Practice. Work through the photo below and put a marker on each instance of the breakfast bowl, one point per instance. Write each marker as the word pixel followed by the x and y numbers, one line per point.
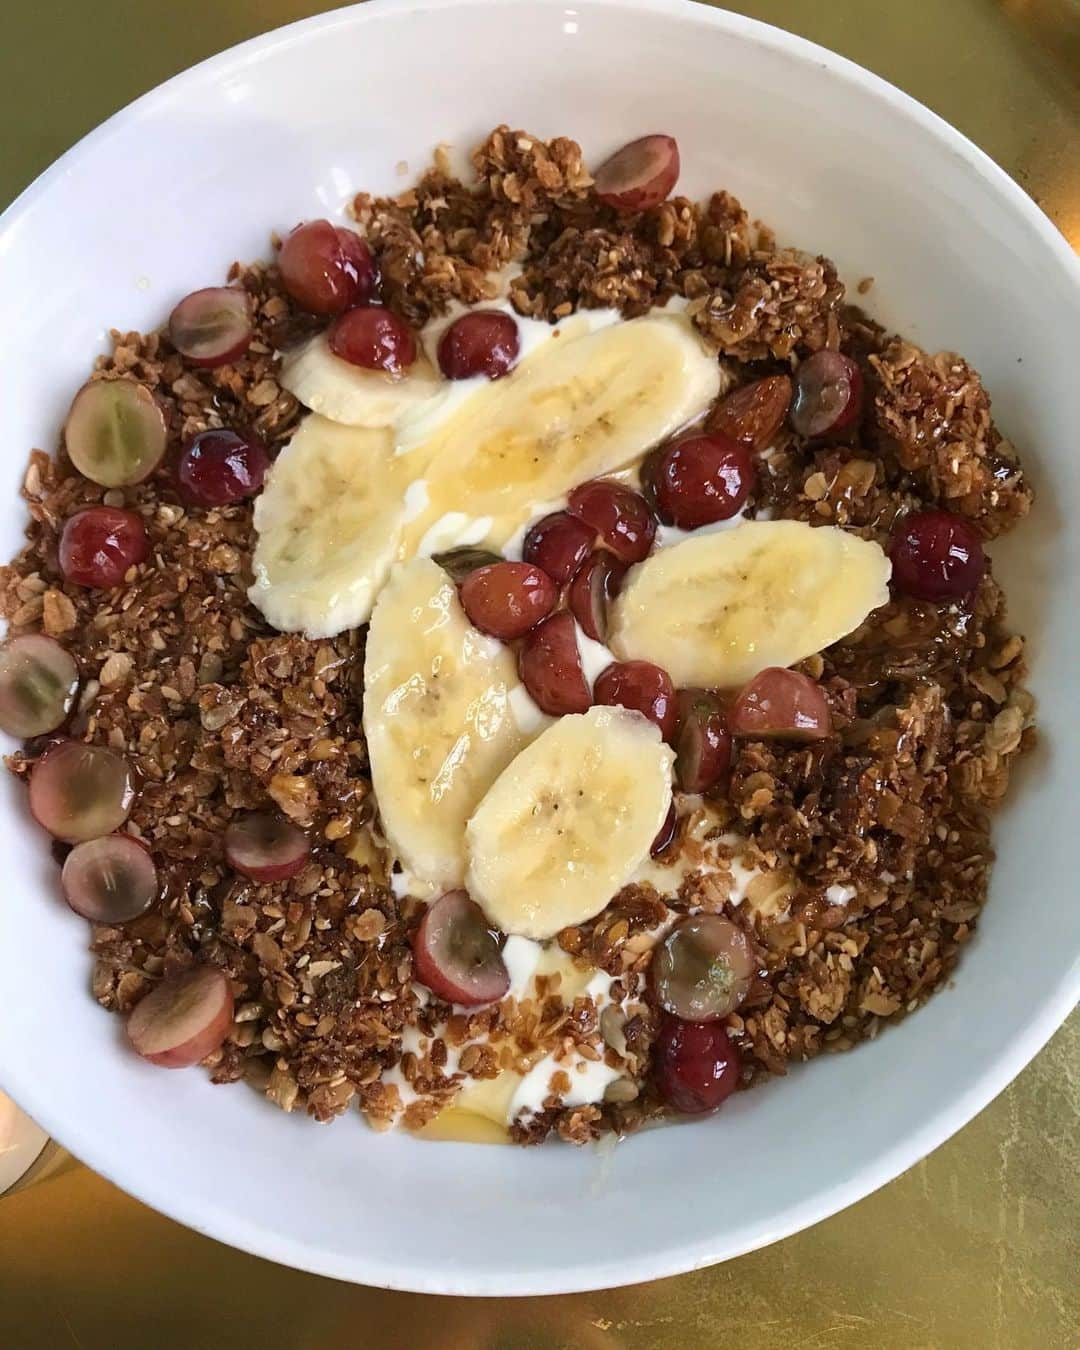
pixel 158 202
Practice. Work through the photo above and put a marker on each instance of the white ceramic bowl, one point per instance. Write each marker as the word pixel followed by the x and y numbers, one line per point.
pixel 159 201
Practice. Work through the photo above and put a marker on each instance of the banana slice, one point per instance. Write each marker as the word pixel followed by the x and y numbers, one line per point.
pixel 482 1120
pixel 438 716
pixel 715 609
pixel 564 827
pixel 479 1114
pixel 584 404
pixel 328 524
pixel 349 394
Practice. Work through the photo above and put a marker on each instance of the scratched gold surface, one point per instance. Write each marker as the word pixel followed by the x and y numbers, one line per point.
pixel 976 1248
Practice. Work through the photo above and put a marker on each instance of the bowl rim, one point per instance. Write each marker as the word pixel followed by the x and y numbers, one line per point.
pixel 936 1129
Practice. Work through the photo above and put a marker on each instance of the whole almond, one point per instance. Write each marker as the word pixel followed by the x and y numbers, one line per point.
pixel 754 414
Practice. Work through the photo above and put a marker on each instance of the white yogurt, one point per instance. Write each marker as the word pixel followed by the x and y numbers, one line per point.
pixel 456 529
pixel 528 715
pixel 666 535
pixel 404 883
pixel 588 1081
pixel 417 499
pixel 599 988
pixel 522 957
pixel 595 657
pixel 516 542
pixel 840 895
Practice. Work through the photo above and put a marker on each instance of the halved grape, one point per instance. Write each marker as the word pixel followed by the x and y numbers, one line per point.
pixel 483 342
pixel 219 467
pixel 326 268
pixel 649 479
pixel 666 834
pixel 456 954
pixel 559 543
pixel 551 669
pixel 595 585
pixel 828 394
pixel 373 338
pixel 265 847
pixel 110 880
pixel 460 562
pixel 695 1065
pixel 507 599
pixel 98 546
pixel 620 516
pixel 184 1019
pixel 38 681
pixel 641 686
pixel 783 705
pixel 639 175
pixel 702 745
pixel 703 969
pixel 701 479
pixel 212 327
pixel 80 791
pixel 936 556
pixel 115 432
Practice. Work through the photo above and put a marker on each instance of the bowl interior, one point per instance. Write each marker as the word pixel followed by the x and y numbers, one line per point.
pixel 159 202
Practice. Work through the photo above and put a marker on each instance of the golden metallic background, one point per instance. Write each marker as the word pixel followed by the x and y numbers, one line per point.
pixel 978 1247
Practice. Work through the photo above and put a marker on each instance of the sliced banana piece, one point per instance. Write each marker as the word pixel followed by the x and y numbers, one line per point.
pixel 349 394
pixel 715 609
pixel 583 404
pixel 438 716
pixel 328 523
pixel 478 1114
pixel 565 826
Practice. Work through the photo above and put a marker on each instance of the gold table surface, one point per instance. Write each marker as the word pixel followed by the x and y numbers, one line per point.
pixel 977 1246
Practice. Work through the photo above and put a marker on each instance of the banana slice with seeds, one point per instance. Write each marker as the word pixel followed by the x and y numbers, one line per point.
pixel 716 609
pixel 579 407
pixel 439 718
pixel 328 521
pixel 566 825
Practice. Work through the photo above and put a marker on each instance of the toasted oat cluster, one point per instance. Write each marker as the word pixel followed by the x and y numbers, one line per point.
pixel 869 846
